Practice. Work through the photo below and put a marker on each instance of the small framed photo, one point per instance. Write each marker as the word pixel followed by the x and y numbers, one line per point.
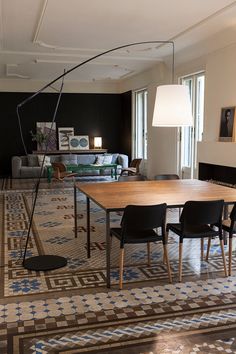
pixel 63 137
pixel 227 122
pixel 79 142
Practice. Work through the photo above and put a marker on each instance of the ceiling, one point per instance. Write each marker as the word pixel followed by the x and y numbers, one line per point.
pixel 40 39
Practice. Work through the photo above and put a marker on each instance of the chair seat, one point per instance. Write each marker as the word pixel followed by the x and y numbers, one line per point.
pixel 132 170
pixel 192 231
pixel 137 237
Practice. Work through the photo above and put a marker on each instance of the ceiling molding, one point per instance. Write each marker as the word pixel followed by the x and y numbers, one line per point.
pixel 11 72
pixel 41 16
pixel 79 56
pixel 205 20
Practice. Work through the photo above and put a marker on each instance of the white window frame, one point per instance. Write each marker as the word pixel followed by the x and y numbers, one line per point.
pixel 139 126
pixel 194 133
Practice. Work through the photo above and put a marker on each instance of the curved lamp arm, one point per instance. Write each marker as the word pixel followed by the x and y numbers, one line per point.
pixel 97 56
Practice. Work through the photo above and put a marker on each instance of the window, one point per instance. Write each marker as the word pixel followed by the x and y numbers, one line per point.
pixel 140 124
pixel 191 135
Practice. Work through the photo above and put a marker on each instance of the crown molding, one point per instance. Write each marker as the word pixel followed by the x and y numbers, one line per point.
pixel 11 72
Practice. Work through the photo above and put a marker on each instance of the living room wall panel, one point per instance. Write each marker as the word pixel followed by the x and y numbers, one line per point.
pixel 106 115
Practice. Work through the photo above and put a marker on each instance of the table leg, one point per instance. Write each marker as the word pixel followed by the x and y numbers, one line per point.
pixel 226 216
pixel 108 256
pixel 75 212
pixel 88 227
pixel 116 172
pixel 111 172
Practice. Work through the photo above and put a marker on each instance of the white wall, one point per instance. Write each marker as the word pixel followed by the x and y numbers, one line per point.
pixel 220 92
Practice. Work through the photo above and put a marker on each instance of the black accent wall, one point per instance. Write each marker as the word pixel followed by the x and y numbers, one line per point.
pixel 106 115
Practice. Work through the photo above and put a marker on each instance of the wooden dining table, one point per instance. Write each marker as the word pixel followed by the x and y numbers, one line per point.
pixel 115 196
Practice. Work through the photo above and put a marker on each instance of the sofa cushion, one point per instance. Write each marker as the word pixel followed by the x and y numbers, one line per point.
pixel 99 160
pixel 69 159
pixel 55 158
pixel 32 160
pixel 107 159
pixel 86 159
pixel 46 160
pixel 114 158
pixel 31 172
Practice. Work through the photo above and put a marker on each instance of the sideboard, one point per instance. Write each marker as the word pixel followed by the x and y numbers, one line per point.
pixel 57 152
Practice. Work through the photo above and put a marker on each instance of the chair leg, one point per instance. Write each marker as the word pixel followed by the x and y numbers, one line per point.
pixel 111 243
pixel 121 268
pixel 166 237
pixel 149 253
pixel 167 262
pixel 223 256
pixel 180 260
pixel 208 248
pixel 202 249
pixel 230 255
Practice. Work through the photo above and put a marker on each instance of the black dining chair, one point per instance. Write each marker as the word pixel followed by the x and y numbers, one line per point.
pixel 139 225
pixel 199 219
pixel 132 178
pixel 166 177
pixel 230 227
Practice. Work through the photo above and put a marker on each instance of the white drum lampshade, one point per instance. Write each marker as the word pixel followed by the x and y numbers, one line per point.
pixel 172 107
pixel 97 142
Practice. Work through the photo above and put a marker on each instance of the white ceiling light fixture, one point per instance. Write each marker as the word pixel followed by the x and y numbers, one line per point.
pixel 172 106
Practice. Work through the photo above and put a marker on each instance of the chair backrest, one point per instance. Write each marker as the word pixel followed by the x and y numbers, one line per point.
pixel 233 213
pixel 132 178
pixel 59 166
pixel 202 212
pixel 147 217
pixel 166 177
pixel 135 163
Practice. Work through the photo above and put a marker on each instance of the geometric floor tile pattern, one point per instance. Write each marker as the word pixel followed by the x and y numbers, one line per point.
pixel 52 233
pixel 71 311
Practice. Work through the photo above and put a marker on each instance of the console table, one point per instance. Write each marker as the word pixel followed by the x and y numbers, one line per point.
pixel 58 152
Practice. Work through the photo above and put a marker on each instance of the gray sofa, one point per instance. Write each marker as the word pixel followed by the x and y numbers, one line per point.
pixel 28 166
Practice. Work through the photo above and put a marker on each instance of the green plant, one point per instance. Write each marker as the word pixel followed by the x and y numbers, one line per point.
pixel 39 137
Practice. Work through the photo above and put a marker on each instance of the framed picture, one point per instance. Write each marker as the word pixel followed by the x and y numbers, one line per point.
pixel 227 124
pixel 63 138
pixel 49 136
pixel 79 142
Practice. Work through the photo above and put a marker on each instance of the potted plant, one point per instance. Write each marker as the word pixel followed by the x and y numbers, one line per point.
pixel 40 138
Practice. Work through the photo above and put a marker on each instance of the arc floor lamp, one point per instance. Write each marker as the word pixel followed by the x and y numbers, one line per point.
pixel 172 108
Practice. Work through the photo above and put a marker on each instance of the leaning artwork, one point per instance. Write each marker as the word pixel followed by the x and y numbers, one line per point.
pixel 63 137
pixel 227 124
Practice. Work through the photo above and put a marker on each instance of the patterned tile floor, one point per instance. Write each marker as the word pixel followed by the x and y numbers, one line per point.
pixel 71 311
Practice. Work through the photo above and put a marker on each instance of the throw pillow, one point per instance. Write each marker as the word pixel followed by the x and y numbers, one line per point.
pixel 99 160
pixel 114 158
pixel 46 160
pixel 107 159
pixel 33 160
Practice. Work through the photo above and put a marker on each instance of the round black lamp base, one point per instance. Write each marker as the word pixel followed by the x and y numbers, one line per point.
pixel 45 262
